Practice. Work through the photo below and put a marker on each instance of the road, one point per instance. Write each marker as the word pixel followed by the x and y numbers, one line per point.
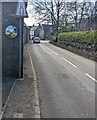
pixel 66 82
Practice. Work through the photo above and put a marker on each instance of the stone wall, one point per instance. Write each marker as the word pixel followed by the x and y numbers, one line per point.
pixel 10 47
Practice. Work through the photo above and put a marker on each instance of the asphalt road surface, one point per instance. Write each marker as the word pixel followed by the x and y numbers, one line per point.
pixel 66 82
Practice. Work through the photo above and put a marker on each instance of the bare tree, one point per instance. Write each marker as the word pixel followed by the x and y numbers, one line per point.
pixel 88 14
pixel 49 10
pixel 61 13
pixel 72 12
pixel 80 13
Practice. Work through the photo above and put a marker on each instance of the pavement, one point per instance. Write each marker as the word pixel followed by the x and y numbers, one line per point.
pixel 20 102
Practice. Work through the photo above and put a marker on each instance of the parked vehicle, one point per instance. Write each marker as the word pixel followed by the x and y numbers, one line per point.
pixel 36 40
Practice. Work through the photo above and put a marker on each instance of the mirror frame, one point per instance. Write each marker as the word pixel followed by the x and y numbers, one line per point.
pixel 11 31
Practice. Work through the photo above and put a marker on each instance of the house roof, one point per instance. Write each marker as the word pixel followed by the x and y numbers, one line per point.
pixel 46 27
pixel 33 28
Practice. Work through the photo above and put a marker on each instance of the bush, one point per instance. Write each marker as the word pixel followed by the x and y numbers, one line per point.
pixel 83 43
pixel 87 37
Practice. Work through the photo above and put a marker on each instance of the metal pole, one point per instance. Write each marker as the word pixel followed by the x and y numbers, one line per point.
pixel 12 56
pixel 21 49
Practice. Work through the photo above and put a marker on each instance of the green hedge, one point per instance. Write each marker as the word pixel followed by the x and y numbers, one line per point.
pixel 89 37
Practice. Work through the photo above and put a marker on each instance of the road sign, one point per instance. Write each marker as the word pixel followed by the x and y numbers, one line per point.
pixel 21 10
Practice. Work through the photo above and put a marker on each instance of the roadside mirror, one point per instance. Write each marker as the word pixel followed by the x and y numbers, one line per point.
pixel 11 31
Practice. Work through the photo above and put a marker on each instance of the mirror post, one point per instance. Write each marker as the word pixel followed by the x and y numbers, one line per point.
pixel 21 13
pixel 21 49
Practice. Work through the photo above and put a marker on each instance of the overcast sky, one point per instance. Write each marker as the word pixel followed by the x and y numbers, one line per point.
pixel 32 21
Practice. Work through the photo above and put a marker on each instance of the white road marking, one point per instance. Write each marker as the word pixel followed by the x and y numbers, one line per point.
pixel 42 46
pixel 37 106
pixel 69 62
pixel 91 77
pixel 54 52
pixel 18 115
pixel 47 48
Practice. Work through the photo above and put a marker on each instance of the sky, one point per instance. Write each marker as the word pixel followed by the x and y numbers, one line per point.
pixel 30 21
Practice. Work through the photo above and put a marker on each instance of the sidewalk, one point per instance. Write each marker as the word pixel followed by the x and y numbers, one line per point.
pixel 21 101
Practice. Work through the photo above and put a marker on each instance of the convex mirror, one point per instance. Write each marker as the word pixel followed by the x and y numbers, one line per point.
pixel 11 31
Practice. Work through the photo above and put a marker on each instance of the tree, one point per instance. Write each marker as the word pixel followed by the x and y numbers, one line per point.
pixel 88 14
pixel 61 13
pixel 49 11
pixel 79 13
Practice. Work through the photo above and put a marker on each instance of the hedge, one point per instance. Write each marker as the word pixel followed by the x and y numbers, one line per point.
pixel 88 37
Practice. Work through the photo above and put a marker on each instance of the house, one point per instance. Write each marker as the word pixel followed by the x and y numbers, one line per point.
pixel 45 31
pixel 33 31
pixel 36 31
